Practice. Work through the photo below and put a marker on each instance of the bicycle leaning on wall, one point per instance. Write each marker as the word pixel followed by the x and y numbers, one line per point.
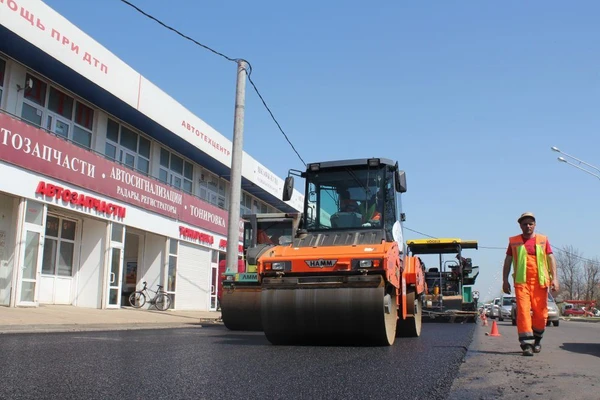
pixel 161 299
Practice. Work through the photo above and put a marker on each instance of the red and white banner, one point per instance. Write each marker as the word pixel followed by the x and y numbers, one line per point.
pixel 34 149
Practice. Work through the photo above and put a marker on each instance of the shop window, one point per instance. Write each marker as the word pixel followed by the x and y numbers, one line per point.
pixel 175 171
pixel 34 212
pixel 57 112
pixel 221 198
pixel 126 146
pixel 245 204
pixel 34 100
pixel 255 208
pixel 172 270
pixel 116 233
pixel 2 71
pixel 59 246
pixel 35 90
pixel 212 189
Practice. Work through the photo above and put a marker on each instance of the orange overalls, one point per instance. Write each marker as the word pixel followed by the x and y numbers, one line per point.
pixel 532 279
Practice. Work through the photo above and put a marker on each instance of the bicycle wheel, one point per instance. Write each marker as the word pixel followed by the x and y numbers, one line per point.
pixel 162 301
pixel 137 299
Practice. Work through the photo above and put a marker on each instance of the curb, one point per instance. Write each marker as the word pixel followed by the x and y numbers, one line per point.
pixel 17 329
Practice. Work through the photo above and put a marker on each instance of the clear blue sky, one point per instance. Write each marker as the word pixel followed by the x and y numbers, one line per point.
pixel 467 96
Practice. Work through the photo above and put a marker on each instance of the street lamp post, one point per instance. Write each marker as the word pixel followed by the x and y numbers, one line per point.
pixel 578 166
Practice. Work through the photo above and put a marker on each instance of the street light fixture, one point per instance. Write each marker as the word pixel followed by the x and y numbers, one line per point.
pixel 561 159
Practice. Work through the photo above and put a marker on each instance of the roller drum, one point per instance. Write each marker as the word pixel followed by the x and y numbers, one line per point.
pixel 351 313
pixel 240 308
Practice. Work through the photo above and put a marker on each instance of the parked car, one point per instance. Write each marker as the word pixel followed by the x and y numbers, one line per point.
pixel 504 307
pixel 553 315
pixel 577 312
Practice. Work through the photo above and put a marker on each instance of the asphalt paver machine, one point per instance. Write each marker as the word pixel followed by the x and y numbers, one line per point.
pixel 449 293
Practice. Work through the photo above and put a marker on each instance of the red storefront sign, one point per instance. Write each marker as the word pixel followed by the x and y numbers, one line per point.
pixel 223 245
pixel 36 150
pixel 79 199
pixel 192 234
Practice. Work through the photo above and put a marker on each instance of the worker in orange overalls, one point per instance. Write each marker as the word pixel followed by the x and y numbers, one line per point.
pixel 372 210
pixel 534 272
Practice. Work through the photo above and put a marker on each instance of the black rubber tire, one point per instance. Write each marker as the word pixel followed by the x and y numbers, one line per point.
pixel 555 323
pixel 162 302
pixel 514 322
pixel 410 326
pixel 137 299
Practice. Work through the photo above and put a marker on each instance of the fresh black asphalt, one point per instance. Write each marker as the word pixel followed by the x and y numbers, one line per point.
pixel 211 362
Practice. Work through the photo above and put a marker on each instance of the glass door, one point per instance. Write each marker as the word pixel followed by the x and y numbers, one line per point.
pixel 115 265
pixel 214 285
pixel 31 253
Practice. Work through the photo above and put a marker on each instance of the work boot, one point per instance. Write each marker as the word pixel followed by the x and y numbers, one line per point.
pixel 528 350
pixel 537 347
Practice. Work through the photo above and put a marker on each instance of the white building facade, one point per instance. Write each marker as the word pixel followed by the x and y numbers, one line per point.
pixel 107 181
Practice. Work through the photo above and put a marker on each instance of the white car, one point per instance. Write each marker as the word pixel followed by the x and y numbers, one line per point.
pixel 495 309
pixel 504 307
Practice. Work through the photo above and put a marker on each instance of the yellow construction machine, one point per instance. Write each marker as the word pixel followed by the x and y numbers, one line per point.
pixel 346 277
pixel 449 284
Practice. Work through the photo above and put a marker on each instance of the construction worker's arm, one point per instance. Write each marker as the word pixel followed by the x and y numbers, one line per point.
pixel 506 273
pixel 552 263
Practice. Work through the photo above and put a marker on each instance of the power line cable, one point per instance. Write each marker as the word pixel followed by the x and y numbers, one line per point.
pixel 434 237
pixel 236 60
pixel 177 32
pixel 420 233
pixel 273 117
pixel 562 250
pixel 249 72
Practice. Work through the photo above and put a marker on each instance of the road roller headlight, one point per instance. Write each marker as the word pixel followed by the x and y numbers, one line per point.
pixel 278 266
pixel 367 263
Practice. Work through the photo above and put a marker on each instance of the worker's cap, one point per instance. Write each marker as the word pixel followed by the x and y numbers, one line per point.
pixel 526 215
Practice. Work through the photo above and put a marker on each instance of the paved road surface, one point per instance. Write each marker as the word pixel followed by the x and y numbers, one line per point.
pixel 214 363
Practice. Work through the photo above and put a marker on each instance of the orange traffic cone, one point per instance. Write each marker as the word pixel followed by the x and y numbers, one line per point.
pixel 494 331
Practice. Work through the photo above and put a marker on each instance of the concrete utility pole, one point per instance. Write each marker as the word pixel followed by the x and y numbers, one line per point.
pixel 233 230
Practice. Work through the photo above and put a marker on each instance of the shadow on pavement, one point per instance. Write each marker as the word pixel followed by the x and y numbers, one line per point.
pixel 582 348
pixel 502 353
